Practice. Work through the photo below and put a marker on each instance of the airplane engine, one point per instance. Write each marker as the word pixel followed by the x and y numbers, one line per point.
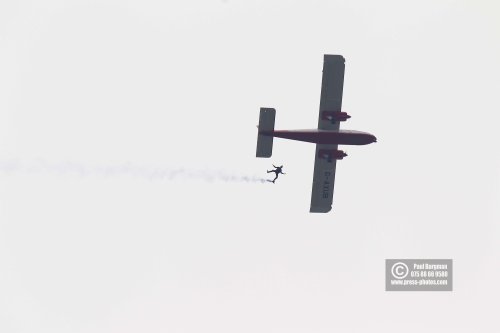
pixel 334 116
pixel 331 154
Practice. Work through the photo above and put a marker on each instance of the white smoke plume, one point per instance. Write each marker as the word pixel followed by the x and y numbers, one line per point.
pixel 151 173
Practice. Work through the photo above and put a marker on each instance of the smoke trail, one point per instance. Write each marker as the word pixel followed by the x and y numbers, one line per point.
pixel 151 173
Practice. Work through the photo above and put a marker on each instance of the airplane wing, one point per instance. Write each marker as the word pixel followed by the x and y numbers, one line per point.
pixel 332 85
pixel 323 181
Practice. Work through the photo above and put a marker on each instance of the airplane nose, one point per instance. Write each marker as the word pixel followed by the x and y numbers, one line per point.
pixel 374 138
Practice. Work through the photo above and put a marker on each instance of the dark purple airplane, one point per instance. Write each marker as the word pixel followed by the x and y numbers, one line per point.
pixel 327 137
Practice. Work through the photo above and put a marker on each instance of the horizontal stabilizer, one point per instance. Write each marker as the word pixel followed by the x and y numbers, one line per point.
pixel 266 127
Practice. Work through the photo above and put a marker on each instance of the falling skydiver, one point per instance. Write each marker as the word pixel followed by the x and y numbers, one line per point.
pixel 277 171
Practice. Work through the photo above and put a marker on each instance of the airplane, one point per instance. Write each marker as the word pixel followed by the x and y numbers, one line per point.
pixel 327 137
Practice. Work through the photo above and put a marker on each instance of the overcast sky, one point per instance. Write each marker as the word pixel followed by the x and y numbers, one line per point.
pixel 99 100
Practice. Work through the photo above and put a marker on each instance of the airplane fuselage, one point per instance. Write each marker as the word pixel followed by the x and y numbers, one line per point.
pixel 341 137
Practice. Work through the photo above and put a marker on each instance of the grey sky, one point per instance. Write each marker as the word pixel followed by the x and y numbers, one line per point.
pixel 178 84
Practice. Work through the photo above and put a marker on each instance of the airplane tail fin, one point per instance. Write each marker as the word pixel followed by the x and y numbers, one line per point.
pixel 266 127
